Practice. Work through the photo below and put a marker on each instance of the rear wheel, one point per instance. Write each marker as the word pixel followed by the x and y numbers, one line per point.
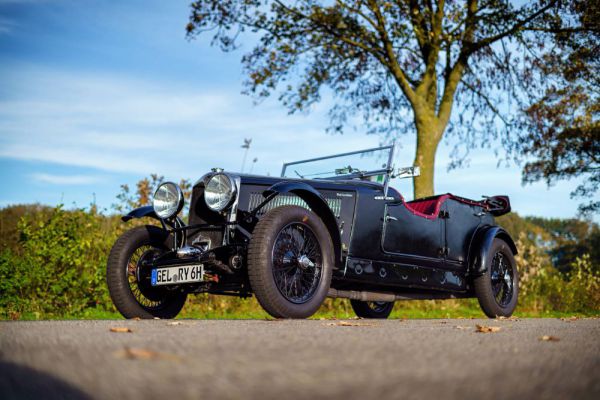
pixel 497 290
pixel 372 309
pixel 128 276
pixel 290 259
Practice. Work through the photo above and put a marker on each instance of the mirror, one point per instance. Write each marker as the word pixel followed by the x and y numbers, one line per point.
pixel 407 172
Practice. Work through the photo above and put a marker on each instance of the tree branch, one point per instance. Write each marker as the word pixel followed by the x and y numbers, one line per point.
pixel 487 101
pixel 516 27
pixel 393 64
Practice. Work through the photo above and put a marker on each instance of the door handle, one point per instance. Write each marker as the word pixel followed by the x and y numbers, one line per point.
pixel 389 218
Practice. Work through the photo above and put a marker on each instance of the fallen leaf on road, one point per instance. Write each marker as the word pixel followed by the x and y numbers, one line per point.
pixel 486 329
pixel 548 338
pixel 136 318
pixel 121 330
pixel 174 323
pixel 511 318
pixel 346 323
pixel 570 319
pixel 462 327
pixel 133 353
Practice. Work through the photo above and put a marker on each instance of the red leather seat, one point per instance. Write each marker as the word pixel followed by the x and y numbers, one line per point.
pixel 427 208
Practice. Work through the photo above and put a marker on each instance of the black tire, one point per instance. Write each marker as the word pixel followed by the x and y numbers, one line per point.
pixel 372 309
pixel 498 289
pixel 279 241
pixel 128 281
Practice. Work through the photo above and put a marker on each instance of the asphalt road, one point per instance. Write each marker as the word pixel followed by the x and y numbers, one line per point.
pixel 198 359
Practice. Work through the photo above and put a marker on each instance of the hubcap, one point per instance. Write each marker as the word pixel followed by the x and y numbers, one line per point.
pixel 304 262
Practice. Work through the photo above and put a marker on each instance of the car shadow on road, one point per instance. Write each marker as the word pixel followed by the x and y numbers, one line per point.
pixel 20 382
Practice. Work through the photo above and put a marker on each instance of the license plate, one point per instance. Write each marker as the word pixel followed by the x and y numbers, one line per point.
pixel 177 275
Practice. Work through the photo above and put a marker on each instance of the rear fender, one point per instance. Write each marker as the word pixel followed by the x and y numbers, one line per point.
pixel 484 238
pixel 318 204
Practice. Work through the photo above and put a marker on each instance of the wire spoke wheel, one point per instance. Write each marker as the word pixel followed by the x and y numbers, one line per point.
pixel 378 306
pixel 297 262
pixel 290 262
pixel 138 277
pixel 129 271
pixel 497 289
pixel 502 277
pixel 372 309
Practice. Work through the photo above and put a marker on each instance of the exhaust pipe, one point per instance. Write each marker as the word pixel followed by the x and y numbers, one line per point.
pixel 389 297
pixel 362 296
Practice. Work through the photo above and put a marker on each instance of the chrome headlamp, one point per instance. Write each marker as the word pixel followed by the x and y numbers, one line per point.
pixel 168 200
pixel 219 192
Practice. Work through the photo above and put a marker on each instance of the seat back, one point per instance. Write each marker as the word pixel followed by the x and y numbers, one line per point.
pixel 427 208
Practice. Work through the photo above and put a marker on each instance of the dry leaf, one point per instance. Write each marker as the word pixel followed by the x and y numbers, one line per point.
pixel 174 323
pixel 346 323
pixel 511 318
pixel 570 319
pixel 145 354
pixel 121 330
pixel 548 338
pixel 486 329
pixel 462 327
pixel 136 318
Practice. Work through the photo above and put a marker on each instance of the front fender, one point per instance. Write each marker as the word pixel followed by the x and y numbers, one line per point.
pixel 146 211
pixel 318 204
pixel 479 260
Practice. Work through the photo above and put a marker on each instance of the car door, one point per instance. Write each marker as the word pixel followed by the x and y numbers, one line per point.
pixel 412 238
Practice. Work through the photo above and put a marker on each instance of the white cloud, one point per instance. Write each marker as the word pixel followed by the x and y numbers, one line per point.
pixel 65 179
pixel 124 125
pixel 7 25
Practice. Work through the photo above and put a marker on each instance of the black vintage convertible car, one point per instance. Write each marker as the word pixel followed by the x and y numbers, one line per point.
pixel 330 226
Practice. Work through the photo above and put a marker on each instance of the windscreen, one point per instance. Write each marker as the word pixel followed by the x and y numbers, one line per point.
pixel 341 166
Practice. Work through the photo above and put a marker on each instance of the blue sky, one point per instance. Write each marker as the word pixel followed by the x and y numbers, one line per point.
pixel 94 94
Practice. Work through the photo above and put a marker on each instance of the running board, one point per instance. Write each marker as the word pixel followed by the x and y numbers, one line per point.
pixel 389 297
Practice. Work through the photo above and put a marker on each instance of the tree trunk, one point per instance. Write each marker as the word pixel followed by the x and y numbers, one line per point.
pixel 428 138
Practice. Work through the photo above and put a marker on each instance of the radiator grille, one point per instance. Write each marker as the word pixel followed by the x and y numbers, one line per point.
pixel 289 200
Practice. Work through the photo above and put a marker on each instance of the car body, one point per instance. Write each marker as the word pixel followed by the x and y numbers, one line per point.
pixel 383 248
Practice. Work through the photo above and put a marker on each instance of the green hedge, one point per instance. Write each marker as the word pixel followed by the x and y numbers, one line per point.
pixel 54 267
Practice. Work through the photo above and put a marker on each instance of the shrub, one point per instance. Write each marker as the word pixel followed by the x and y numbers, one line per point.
pixel 60 270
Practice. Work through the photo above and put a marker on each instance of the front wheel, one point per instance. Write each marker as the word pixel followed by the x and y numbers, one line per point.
pixel 128 276
pixel 290 261
pixel 372 309
pixel 497 290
